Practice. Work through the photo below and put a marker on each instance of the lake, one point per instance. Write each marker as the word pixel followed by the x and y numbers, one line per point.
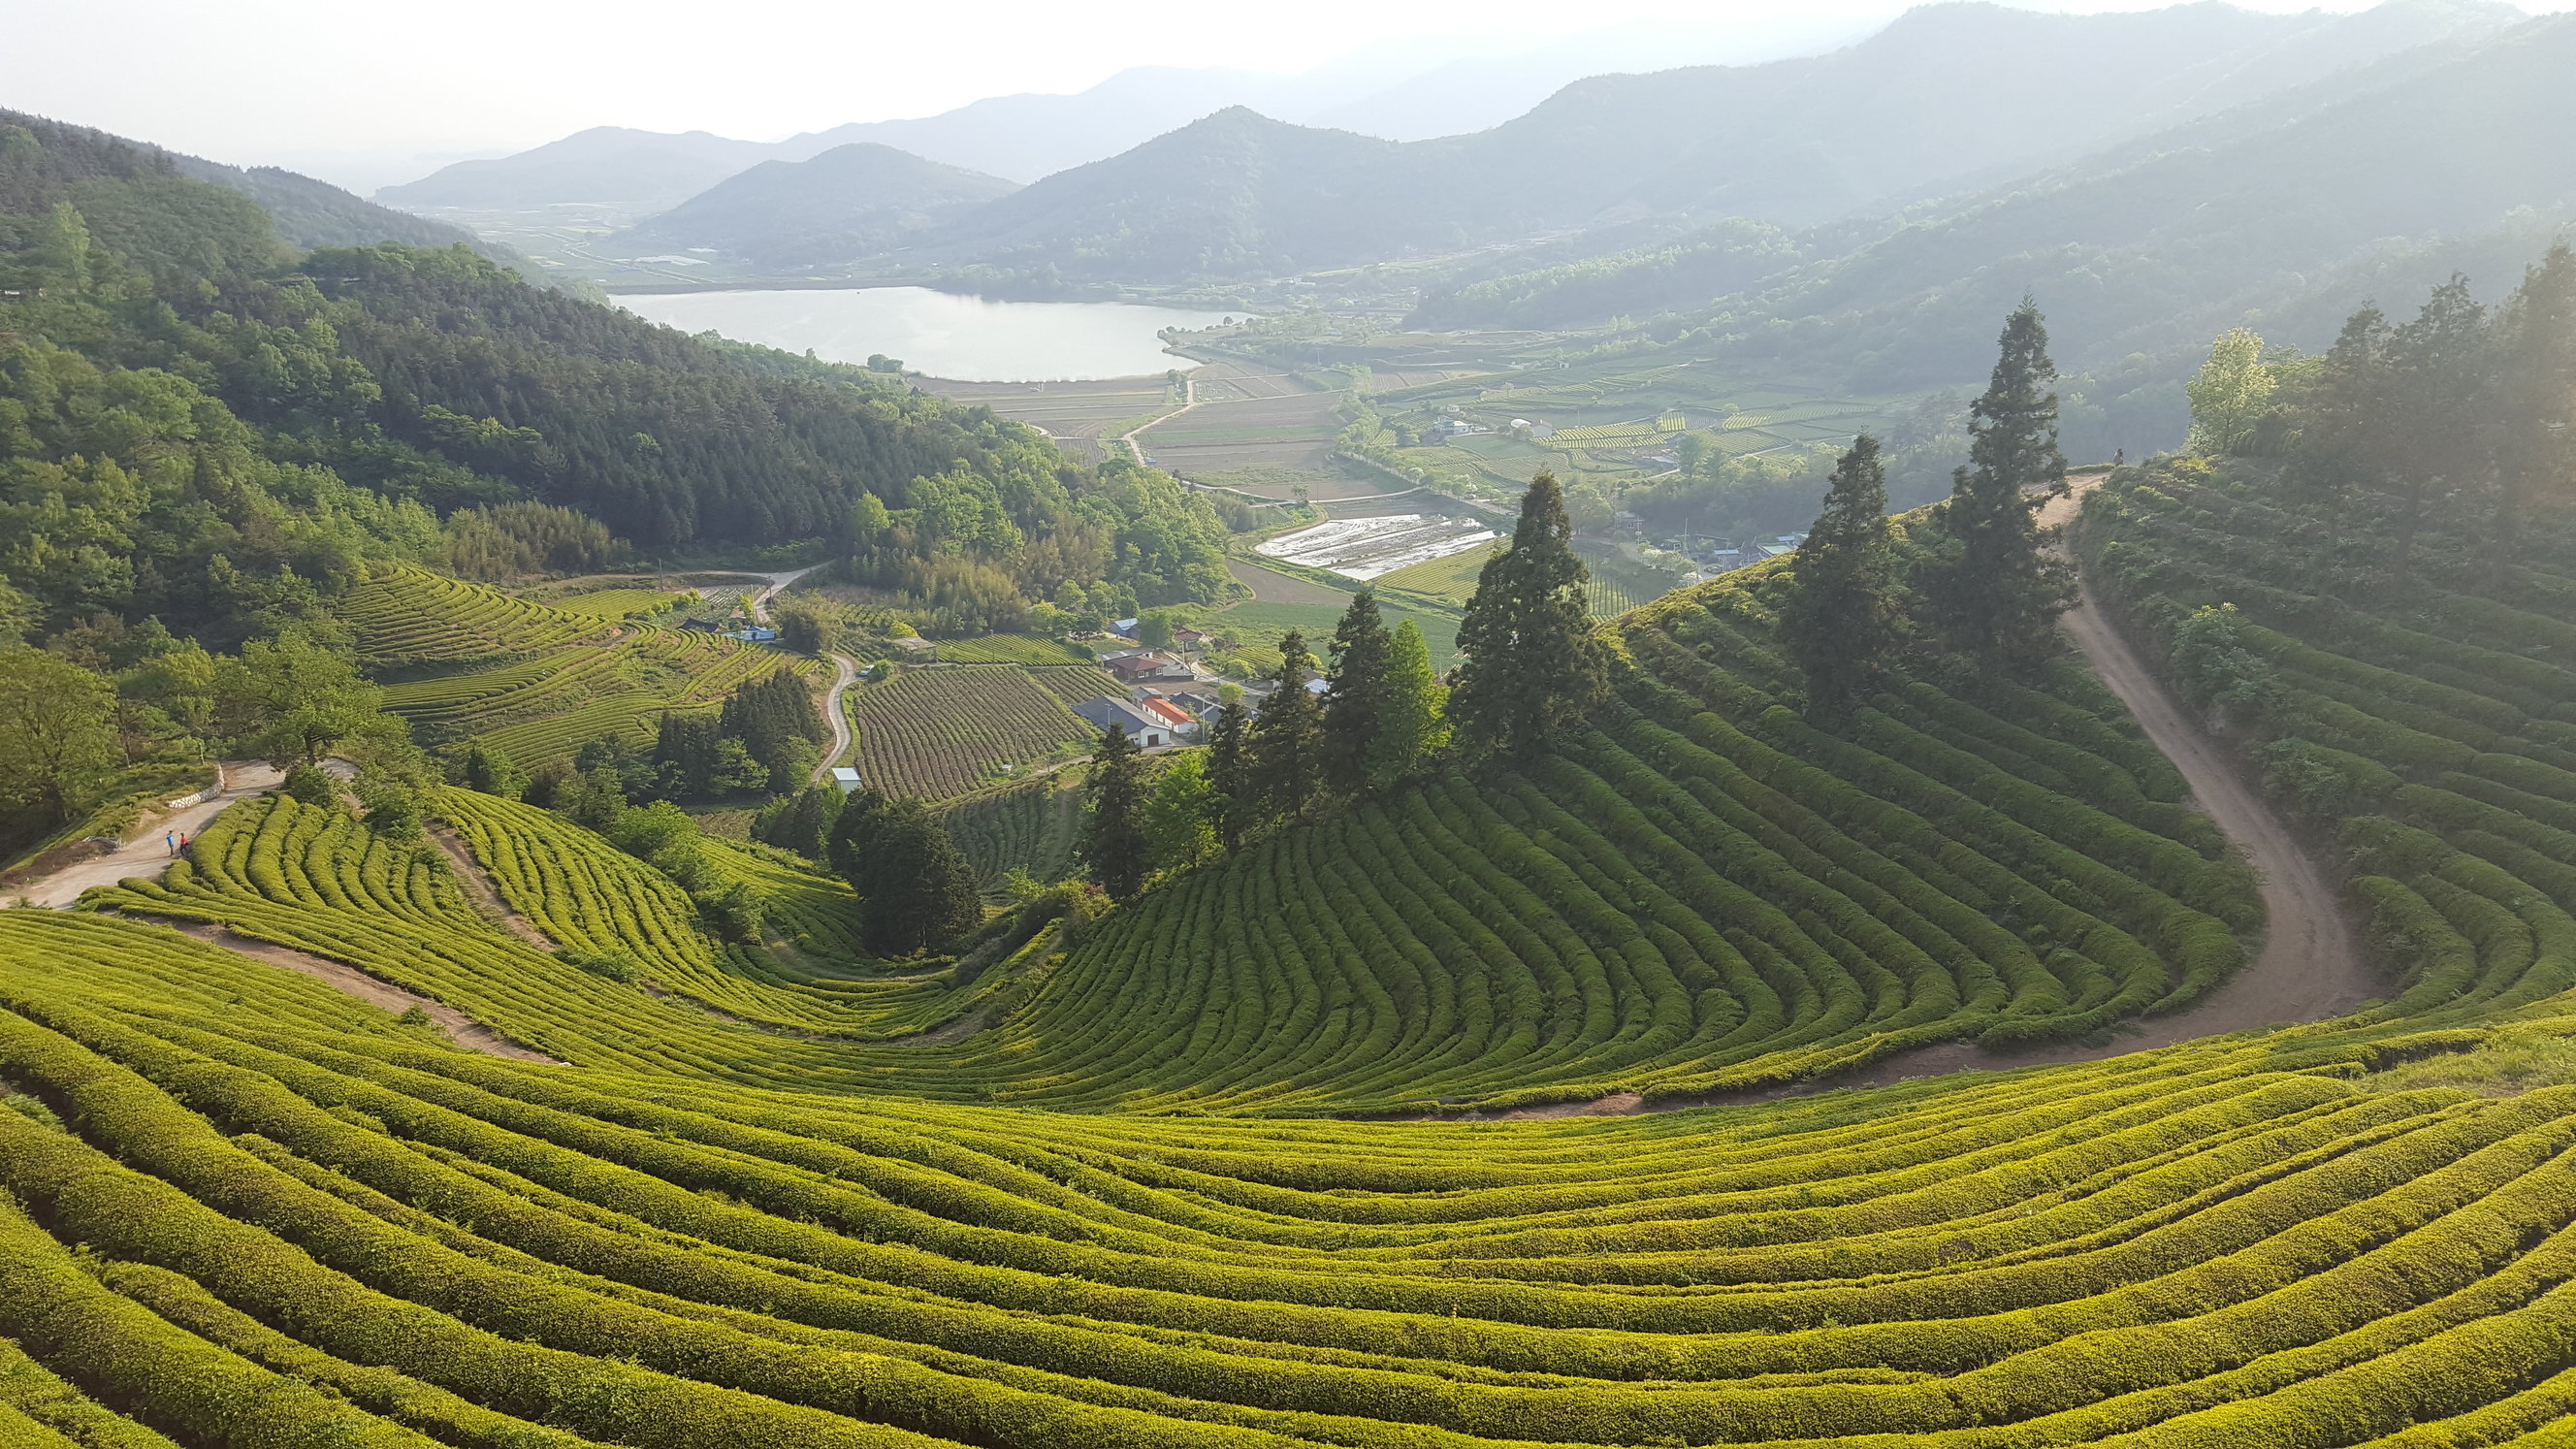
pixel 939 333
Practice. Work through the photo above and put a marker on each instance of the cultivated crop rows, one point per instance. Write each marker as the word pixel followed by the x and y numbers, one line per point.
pixel 1035 826
pixel 2426 723
pixel 937 733
pixel 609 681
pixel 407 616
pixel 242 1209
pixel 1011 649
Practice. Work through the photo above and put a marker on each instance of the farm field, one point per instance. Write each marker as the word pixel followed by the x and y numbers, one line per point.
pixel 940 732
pixel 538 680
pixel 1257 625
pixel 1362 548
pixel 1035 826
pixel 1121 1184
pixel 1075 414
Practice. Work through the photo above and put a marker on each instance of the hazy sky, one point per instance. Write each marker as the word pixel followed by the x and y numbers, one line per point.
pixel 302 82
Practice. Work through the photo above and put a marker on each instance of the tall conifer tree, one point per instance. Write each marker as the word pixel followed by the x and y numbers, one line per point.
pixel 1532 662
pixel 1844 619
pixel 1993 591
pixel 1230 772
pixel 1357 695
pixel 1288 736
pixel 1116 843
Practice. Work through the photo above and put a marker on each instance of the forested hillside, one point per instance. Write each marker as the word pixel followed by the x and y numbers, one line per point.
pixel 209 438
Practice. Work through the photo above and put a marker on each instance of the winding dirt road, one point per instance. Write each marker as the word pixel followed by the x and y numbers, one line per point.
pixel 845 672
pixel 2311 965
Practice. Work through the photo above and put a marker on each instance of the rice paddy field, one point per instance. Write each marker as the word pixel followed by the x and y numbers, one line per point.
pixel 1275 1156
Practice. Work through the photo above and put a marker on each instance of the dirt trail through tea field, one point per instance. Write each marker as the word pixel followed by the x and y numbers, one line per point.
pixel 2311 965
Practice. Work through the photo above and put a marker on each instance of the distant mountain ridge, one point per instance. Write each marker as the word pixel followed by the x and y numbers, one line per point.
pixel 847 201
pixel 1949 96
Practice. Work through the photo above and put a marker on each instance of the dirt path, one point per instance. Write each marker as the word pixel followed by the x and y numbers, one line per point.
pixel 2311 966
pixel 464 1030
pixel 845 672
pixel 478 885
pixel 148 855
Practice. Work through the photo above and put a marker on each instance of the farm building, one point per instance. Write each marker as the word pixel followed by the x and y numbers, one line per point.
pixel 1144 729
pixel 845 779
pixel 1132 665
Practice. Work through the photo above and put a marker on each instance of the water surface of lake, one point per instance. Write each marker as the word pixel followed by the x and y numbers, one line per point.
pixel 939 333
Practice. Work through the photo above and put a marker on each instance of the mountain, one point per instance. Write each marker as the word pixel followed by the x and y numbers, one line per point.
pixel 849 200
pixel 1024 137
pixel 627 172
pixel 2288 213
pixel 1234 194
pixel 301 211
pixel 1948 97
pixel 310 213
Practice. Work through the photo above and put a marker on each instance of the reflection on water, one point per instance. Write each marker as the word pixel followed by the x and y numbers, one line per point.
pixel 940 333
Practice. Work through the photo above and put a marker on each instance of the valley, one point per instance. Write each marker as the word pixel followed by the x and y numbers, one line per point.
pixel 1731 732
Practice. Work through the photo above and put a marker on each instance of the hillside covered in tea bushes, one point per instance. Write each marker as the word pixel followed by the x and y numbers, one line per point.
pixel 774 1204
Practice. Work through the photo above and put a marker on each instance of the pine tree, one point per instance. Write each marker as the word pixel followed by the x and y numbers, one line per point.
pixel 1844 618
pixel 1993 591
pixel 1287 737
pixel 1357 693
pixel 1533 663
pixel 1115 842
pixel 1230 772
pixel 1415 724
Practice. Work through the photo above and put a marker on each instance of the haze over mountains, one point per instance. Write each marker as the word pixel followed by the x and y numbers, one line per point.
pixel 1397 92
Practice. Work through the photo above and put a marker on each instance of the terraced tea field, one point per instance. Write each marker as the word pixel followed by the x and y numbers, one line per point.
pixel 539 680
pixel 1035 826
pixel 1109 1186
pixel 942 732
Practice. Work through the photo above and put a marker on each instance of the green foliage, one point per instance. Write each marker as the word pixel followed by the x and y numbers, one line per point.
pixel 1284 745
pixel 1845 618
pixel 2210 656
pixel 916 893
pixel 1359 695
pixel 56 739
pixel 311 785
pixel 1414 725
pixel 1993 593
pixel 294 700
pixel 1181 815
pixel 2231 393
pixel 519 540
pixel 1533 666
pixel 1119 842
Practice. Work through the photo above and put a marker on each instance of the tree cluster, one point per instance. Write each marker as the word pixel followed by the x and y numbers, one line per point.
pixel 2462 414
pixel 1977 582
pixel 916 892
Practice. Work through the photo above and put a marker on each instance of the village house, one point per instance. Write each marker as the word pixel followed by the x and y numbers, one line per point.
pixel 1133 665
pixel 1148 730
